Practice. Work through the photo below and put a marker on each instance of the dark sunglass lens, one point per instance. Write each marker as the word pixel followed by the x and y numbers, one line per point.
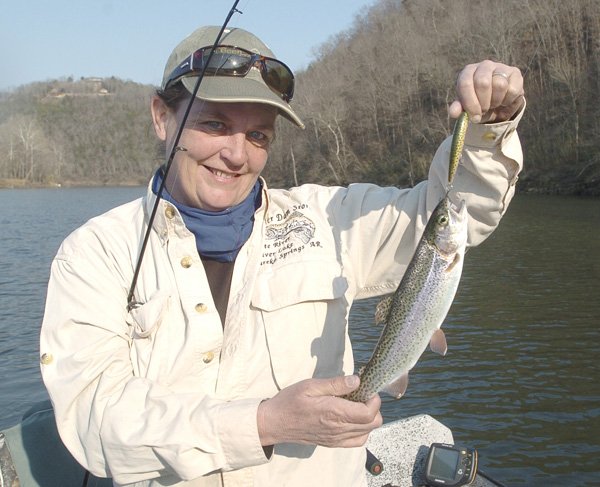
pixel 279 79
pixel 231 63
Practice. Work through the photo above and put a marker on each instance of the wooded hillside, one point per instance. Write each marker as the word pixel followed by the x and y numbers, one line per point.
pixel 90 131
pixel 374 101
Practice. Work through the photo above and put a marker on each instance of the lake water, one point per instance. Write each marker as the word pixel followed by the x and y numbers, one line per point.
pixel 519 382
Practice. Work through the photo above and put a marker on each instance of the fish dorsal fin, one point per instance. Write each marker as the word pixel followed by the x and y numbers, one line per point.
pixel 382 310
pixel 438 342
pixel 398 387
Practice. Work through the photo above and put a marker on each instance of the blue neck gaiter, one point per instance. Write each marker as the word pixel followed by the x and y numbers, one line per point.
pixel 219 234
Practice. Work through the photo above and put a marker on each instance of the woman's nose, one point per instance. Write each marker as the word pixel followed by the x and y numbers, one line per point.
pixel 234 150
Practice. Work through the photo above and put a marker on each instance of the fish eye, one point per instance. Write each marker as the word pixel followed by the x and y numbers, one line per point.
pixel 443 220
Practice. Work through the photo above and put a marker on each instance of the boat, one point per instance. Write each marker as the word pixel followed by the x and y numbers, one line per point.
pixel 32 454
pixel 401 449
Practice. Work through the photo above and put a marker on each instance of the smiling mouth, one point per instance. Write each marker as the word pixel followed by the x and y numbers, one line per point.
pixel 221 174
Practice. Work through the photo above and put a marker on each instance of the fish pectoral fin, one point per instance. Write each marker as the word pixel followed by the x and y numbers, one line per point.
pixel 398 387
pixel 382 310
pixel 455 261
pixel 438 342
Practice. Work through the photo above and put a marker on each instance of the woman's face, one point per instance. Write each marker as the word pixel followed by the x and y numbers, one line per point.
pixel 226 148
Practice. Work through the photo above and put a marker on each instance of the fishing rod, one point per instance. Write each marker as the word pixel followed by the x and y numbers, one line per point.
pixel 131 303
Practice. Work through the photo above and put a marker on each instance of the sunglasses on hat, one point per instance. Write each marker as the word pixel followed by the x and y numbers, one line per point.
pixel 236 61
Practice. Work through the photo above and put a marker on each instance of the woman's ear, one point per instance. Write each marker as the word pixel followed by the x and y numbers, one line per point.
pixel 160 117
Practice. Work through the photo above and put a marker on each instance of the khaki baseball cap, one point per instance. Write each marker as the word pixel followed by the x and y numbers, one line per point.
pixel 225 89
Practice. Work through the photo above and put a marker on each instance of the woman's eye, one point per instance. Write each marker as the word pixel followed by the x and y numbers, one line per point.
pixel 259 138
pixel 207 125
pixel 214 125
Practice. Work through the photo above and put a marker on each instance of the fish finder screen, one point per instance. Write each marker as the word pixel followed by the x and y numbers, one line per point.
pixel 444 463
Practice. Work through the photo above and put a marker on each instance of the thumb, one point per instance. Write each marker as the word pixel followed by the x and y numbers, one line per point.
pixel 455 109
pixel 335 386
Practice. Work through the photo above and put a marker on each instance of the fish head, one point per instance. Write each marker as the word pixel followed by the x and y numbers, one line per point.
pixel 448 231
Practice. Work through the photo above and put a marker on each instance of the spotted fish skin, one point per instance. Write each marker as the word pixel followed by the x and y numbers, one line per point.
pixel 413 315
pixel 458 141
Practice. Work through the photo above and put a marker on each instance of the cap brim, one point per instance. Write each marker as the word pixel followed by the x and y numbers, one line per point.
pixel 224 89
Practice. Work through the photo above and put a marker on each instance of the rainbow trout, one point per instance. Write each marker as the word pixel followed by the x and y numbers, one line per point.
pixel 414 314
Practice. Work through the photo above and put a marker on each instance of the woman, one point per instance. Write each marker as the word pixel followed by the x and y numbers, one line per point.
pixel 227 364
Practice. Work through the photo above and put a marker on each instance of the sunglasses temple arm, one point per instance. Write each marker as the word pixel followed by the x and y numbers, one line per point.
pixel 131 303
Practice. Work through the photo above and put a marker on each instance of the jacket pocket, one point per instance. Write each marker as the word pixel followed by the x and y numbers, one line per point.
pixel 304 311
pixel 145 322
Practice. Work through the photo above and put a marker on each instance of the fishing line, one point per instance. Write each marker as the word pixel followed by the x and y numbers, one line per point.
pixel 201 101
pixel 131 303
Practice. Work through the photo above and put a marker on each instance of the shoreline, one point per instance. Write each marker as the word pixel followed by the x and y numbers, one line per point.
pixel 526 188
pixel 24 184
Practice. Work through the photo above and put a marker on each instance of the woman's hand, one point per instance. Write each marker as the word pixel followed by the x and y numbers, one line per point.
pixel 489 92
pixel 312 412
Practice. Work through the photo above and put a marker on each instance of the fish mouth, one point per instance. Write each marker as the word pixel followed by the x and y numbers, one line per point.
pixel 461 210
pixel 457 210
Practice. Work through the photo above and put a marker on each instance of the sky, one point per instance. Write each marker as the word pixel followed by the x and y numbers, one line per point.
pixel 131 39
